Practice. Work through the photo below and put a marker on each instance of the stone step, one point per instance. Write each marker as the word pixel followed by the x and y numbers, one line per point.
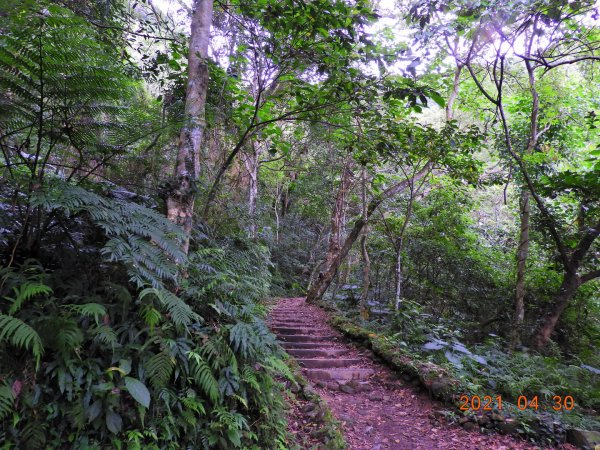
pixel 293 330
pixel 338 374
pixel 287 318
pixel 316 352
pixel 327 363
pixel 305 338
pixel 293 325
pixel 300 345
pixel 305 326
pixel 285 322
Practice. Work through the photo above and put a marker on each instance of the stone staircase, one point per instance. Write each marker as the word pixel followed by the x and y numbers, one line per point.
pixel 318 349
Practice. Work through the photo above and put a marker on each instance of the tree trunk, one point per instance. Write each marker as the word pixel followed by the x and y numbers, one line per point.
pixel 522 253
pixel 568 288
pixel 180 201
pixel 335 236
pixel 398 272
pixel 453 93
pixel 251 163
pixel 335 255
pixel 364 310
pixel 523 248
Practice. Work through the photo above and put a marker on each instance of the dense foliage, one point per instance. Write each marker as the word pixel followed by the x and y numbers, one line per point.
pixel 436 179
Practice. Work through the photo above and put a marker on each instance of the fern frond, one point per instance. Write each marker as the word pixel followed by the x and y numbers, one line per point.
pixel 243 338
pixel 202 374
pixel 277 367
pixel 179 311
pixel 25 292
pixel 95 310
pixel 7 398
pixel 159 369
pixel 219 354
pixel 34 435
pixel 60 333
pixel 144 240
pixel 18 333
pixel 103 334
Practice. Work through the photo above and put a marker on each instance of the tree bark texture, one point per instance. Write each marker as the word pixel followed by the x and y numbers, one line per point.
pixel 335 255
pixel 522 254
pixel 251 164
pixel 335 235
pixel 364 310
pixel 568 288
pixel 524 216
pixel 180 201
pixel 570 284
pixel 398 295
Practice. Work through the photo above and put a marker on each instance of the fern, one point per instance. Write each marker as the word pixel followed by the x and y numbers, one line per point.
pixel 180 312
pixel 19 334
pixel 202 374
pixel 219 354
pixel 34 435
pixel 7 398
pixel 103 334
pixel 95 310
pixel 159 369
pixel 243 338
pixel 145 241
pixel 27 291
pixel 277 367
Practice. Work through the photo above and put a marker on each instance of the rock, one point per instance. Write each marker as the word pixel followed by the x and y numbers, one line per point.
pixel 509 426
pixel 368 430
pixel 415 382
pixel 347 389
pixel 583 438
pixel 463 420
pixel 376 447
pixel 441 388
pixel 294 388
pixel 496 417
pixel 309 407
pixel 333 385
pixel 483 420
pixel 318 434
pixel 321 384
pixel 438 414
pixel 376 397
pixel 354 385
pixel 309 391
pixel 471 426
pixel 406 377
pixel 386 398
pixel 365 386
pixel 313 413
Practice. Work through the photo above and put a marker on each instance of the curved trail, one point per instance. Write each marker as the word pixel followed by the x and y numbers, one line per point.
pixel 377 410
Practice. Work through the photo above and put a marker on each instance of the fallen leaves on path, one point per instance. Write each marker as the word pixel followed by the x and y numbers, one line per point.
pixel 385 413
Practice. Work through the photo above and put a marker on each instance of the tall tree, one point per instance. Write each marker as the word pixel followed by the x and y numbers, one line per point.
pixel 500 38
pixel 180 201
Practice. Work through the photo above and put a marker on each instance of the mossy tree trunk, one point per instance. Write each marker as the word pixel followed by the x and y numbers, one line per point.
pixel 181 198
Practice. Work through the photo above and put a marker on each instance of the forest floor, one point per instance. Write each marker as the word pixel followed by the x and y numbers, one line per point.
pixel 380 411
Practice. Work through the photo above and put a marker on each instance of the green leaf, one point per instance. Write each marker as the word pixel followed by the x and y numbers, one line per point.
pixel 114 422
pixel 437 98
pixel 138 391
pixel 125 366
pixel 94 410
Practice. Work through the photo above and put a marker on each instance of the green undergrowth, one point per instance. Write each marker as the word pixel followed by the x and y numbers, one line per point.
pixel 447 369
pixel 119 341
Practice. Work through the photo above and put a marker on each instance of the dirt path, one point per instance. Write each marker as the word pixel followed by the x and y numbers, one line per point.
pixel 375 407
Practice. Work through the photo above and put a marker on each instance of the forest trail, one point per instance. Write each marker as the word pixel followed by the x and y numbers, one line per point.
pixel 377 410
